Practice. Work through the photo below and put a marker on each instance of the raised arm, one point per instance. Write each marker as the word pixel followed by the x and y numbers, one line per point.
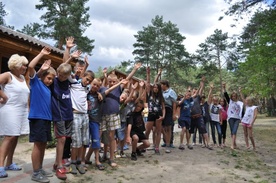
pixel 242 96
pixel 75 55
pixel 104 83
pixel 69 44
pixel 33 63
pixel 123 81
pixel 225 93
pixel 136 67
pixel 202 82
pixel 209 101
pixel 158 75
pixel 148 80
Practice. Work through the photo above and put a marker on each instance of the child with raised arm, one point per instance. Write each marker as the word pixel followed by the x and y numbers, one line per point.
pixel 40 114
pixel 248 120
pixel 111 118
pixel 136 128
pixel 234 114
pixel 95 107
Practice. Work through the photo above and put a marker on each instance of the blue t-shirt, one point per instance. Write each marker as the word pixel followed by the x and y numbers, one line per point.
pixel 185 108
pixel 169 97
pixel 95 107
pixel 40 100
pixel 111 103
pixel 61 101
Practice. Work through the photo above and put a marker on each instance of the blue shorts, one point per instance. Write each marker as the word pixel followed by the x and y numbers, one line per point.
pixel 185 122
pixel 94 129
pixel 234 125
pixel 121 132
pixel 40 130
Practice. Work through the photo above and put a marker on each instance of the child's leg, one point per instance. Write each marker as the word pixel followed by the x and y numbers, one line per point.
pixel 219 133
pixel 250 133
pixel 144 145
pixel 157 133
pixel 134 143
pixel 245 132
pixel 88 154
pixel 59 151
pixel 182 135
pixel 38 155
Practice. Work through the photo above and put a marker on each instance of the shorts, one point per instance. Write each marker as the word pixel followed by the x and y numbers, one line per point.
pixel 168 120
pixel 63 128
pixel 246 125
pixel 185 122
pixel 199 123
pixel 121 132
pixel 140 135
pixel 110 122
pixel 153 116
pixel 94 129
pixel 40 130
pixel 80 130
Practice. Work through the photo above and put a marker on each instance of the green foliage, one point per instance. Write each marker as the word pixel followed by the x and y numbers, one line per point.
pixel 259 45
pixel 63 19
pixel 3 13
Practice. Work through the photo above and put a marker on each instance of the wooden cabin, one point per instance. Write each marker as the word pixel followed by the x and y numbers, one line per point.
pixel 13 42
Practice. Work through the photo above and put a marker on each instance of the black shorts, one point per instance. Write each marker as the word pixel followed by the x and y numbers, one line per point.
pixel 153 116
pixel 40 130
pixel 168 120
pixel 140 135
pixel 199 123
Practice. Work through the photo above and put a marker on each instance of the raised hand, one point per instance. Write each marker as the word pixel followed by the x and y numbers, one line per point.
pixel 46 65
pixel 211 85
pixel 223 85
pixel 46 50
pixel 137 65
pixel 159 71
pixel 124 81
pixel 76 54
pixel 141 83
pixel 70 42
pixel 86 60
pixel 134 86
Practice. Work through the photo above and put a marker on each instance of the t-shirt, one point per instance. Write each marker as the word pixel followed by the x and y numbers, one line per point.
pixel 185 108
pixel 249 114
pixel 214 112
pixel 61 101
pixel 40 100
pixel 170 97
pixel 206 112
pixel 154 105
pixel 137 122
pixel 196 109
pixel 111 104
pixel 125 109
pixel 235 109
pixel 95 107
pixel 79 96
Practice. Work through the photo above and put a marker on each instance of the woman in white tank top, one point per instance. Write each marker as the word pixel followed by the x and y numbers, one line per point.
pixel 14 122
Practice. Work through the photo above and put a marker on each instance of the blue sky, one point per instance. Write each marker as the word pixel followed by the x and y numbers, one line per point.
pixel 115 22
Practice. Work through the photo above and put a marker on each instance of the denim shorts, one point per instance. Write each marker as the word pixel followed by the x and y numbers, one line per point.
pixel 120 133
pixel 234 125
pixel 94 129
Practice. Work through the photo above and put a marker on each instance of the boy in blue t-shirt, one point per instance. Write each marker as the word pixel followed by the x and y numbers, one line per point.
pixel 40 114
pixel 184 121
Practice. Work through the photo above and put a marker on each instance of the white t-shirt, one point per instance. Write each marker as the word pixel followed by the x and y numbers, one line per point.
pixel 249 114
pixel 214 112
pixel 235 109
pixel 79 97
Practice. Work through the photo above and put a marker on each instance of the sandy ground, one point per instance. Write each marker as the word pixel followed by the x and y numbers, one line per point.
pixel 197 165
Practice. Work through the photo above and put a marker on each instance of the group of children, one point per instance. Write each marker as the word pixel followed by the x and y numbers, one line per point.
pixel 84 108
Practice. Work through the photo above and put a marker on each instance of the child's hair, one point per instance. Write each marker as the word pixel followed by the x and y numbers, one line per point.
pixel 159 94
pixel 140 102
pixel 64 68
pixel 112 76
pixel 250 99
pixel 89 73
pixel 165 82
pixel 51 70
pixel 98 80
pixel 80 63
pixel 16 61
pixel 234 93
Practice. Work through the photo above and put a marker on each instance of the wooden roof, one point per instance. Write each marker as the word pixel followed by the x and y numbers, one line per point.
pixel 13 42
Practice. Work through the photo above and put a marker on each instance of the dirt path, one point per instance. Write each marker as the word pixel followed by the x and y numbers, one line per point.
pixel 197 165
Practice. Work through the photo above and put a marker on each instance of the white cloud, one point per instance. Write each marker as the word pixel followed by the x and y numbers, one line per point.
pixel 115 22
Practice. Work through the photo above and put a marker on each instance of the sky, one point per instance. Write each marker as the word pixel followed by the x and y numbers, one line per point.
pixel 115 22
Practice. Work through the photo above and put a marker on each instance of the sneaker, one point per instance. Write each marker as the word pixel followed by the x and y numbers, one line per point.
pixel 46 173
pixel 156 151
pixel 61 173
pixel 126 147
pixel 163 145
pixel 172 146
pixel 139 153
pixel 193 144
pixel 181 147
pixel 168 151
pixel 134 156
pixel 40 178
pixel 66 162
pixel 122 154
pixel 190 147
pixel 74 169
pixel 81 168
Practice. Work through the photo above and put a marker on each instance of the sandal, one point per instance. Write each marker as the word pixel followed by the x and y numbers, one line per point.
pixel 100 167
pixel 3 173
pixel 13 167
pixel 88 162
pixel 112 163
